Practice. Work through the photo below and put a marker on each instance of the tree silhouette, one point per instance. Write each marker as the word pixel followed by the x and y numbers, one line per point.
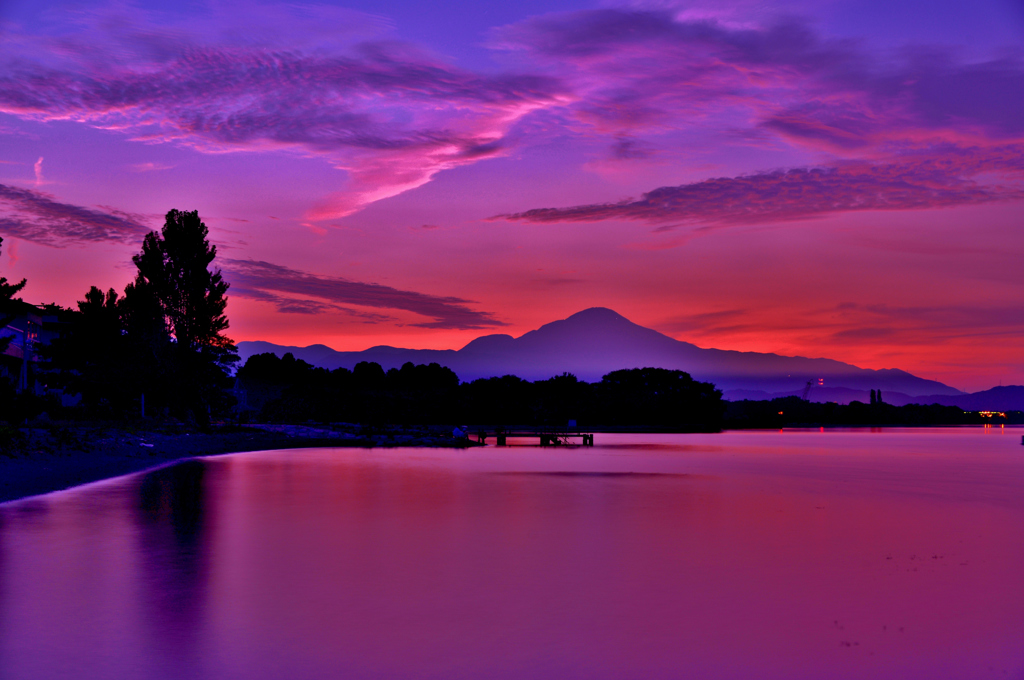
pixel 287 389
pixel 658 395
pixel 98 350
pixel 175 262
pixel 176 288
pixel 148 347
pixel 162 343
pixel 7 293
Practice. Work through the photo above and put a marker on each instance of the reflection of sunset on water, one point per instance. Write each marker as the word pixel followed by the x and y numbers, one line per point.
pixel 802 554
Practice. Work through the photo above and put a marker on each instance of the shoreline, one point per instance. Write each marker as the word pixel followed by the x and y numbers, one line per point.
pixel 39 460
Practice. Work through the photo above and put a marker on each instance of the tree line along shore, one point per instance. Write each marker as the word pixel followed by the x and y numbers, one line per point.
pixel 127 380
pixel 287 389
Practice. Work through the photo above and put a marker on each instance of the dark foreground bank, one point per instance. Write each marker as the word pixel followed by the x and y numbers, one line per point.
pixel 51 457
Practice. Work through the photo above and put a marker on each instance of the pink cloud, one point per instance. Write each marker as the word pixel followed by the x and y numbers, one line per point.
pixel 39 217
pixel 294 291
pixel 943 178
pixel 149 167
pixel 390 116
pixel 8 131
pixel 636 70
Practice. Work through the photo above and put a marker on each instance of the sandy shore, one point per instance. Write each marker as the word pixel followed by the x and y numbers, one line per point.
pixel 36 460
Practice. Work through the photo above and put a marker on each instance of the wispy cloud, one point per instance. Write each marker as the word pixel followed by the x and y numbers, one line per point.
pixel 8 131
pixel 328 83
pixel 723 320
pixel 35 216
pixel 634 69
pixel 387 114
pixel 294 291
pixel 38 168
pixel 926 323
pixel 953 178
pixel 149 167
pixel 917 131
pixel 292 305
pixel 12 252
pixel 899 330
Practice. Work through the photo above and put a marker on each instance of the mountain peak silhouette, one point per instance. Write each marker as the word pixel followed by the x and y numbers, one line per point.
pixel 596 341
pixel 596 315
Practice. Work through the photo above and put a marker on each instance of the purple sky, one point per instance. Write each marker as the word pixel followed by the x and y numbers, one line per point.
pixel 840 179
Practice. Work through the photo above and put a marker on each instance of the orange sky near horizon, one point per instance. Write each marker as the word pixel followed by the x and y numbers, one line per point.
pixel 835 180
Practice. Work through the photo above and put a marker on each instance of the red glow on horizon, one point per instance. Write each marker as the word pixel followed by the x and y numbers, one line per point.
pixel 786 181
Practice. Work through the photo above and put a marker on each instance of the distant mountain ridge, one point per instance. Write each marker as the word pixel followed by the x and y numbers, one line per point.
pixel 596 341
pixel 1003 398
pixel 1008 398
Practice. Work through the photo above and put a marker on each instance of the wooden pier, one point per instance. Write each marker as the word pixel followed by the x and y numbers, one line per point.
pixel 547 436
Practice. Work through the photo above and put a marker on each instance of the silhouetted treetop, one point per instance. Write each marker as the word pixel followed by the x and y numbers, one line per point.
pixel 161 347
pixel 174 265
pixel 7 293
pixel 290 389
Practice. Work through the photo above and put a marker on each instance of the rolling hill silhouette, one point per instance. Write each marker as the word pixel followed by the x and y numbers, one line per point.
pixel 594 342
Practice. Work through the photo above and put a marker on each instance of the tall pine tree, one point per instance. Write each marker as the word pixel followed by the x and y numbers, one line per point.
pixel 176 282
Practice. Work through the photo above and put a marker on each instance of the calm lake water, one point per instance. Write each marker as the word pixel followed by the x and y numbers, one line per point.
pixel 800 554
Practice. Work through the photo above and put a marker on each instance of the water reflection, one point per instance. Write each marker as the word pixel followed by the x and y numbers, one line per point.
pixel 172 516
pixel 740 555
